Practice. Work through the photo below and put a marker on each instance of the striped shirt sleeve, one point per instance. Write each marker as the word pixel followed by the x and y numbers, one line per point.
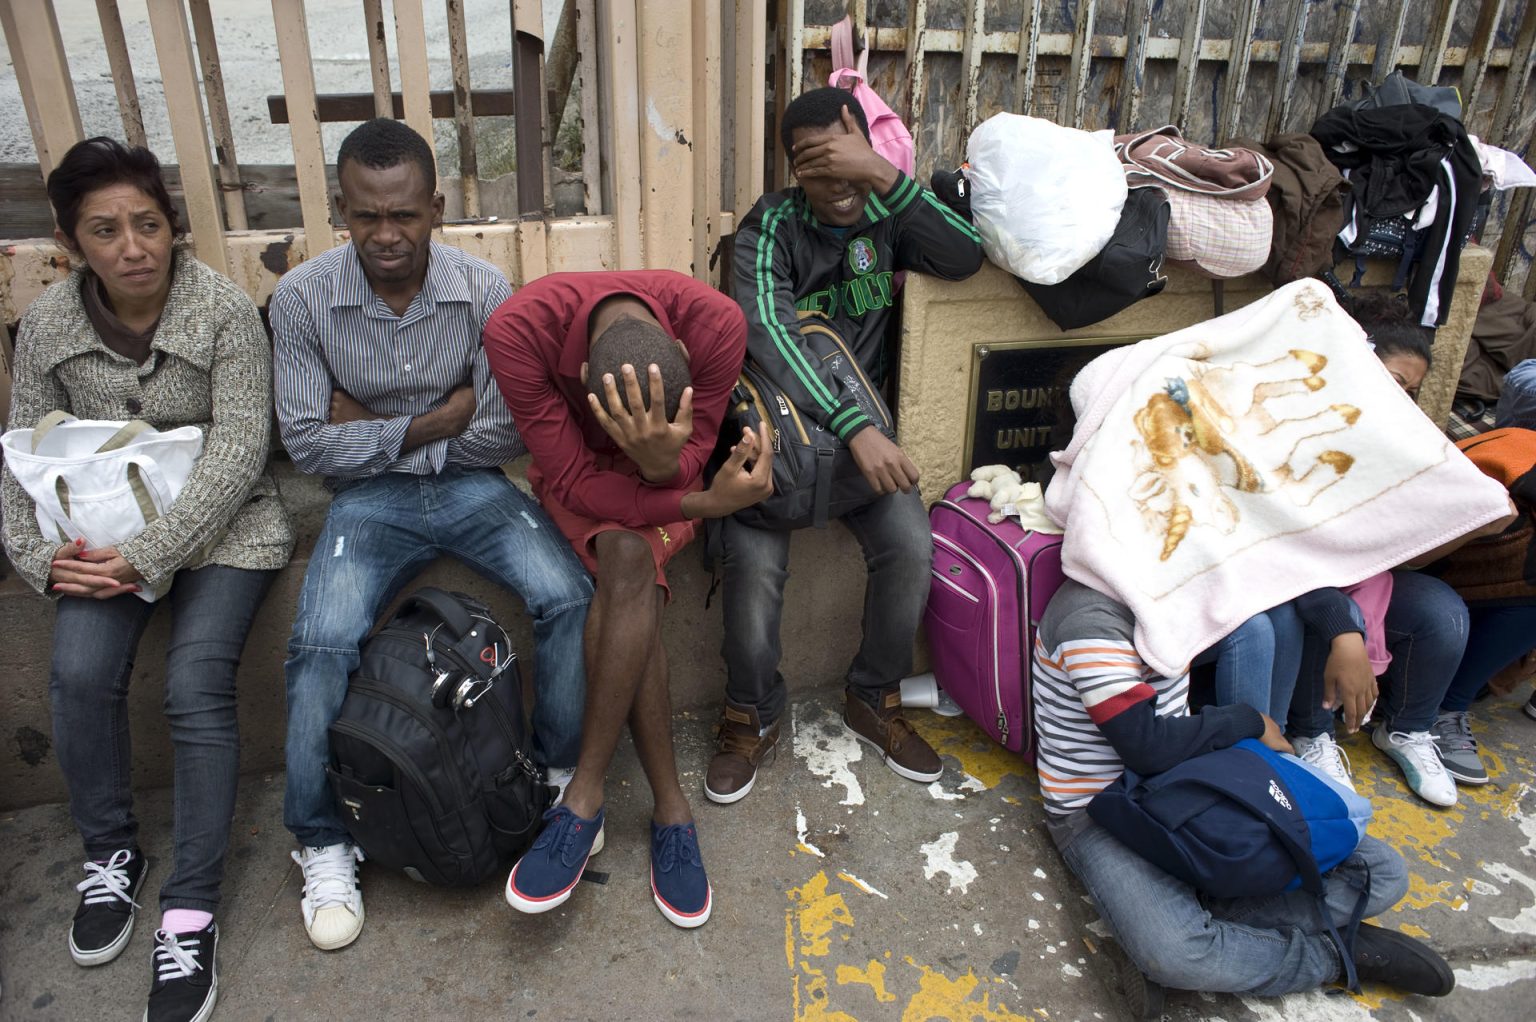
pixel 303 384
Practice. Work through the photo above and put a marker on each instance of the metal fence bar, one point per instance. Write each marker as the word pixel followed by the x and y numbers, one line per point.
pixel 1028 48
pixel 1138 27
pixel 666 165
pixel 591 126
pixel 975 28
pixel 1237 69
pixel 463 115
pixel 532 140
pixel 917 71
pixel 415 87
pixel 1071 109
pixel 378 58
pixel 1285 70
pixel 218 116
pixel 1337 68
pixel 707 100
pixel 794 47
pixel 304 124
pixel 1435 40
pixel 619 62
pixel 116 45
pixel 1507 109
pixel 1389 43
pixel 189 129
pixel 42 71
pixel 751 98
pixel 1476 67
pixel 1189 63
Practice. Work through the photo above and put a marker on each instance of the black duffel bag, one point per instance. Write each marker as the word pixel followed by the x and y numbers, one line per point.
pixel 815 477
pixel 1127 269
pixel 432 766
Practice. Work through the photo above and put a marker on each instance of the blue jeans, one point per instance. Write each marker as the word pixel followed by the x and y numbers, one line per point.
pixel 1256 665
pixel 893 532
pixel 1517 397
pixel 1426 632
pixel 1498 636
pixel 94 643
pixel 378 534
pixel 1261 946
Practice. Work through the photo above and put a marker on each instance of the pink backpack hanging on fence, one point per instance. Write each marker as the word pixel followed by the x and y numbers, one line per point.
pixel 888 136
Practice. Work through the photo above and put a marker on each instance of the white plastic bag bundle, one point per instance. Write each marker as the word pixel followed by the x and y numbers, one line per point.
pixel 100 481
pixel 1045 198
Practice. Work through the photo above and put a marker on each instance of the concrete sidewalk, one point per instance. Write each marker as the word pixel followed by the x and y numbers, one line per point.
pixel 843 894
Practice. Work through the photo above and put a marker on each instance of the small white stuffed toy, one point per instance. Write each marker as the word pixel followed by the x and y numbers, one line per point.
pixel 1007 496
pixel 986 480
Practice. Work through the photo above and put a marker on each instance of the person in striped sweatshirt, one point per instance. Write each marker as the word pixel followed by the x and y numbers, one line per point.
pixel 1099 710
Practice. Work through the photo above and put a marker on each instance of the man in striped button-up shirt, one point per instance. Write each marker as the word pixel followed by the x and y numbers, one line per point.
pixel 383 387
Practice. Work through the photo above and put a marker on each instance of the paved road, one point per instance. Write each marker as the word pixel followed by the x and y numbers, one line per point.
pixel 844 894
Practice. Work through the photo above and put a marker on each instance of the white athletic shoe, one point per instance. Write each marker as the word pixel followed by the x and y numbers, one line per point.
pixel 1324 753
pixel 1415 754
pixel 559 778
pixel 333 898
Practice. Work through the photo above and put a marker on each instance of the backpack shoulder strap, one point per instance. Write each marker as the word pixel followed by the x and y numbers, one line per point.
pixel 842 44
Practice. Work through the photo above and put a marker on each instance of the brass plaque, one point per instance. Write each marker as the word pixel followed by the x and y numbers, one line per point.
pixel 1019 407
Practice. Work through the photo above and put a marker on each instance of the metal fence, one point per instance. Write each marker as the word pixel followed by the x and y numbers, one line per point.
pixel 1219 69
pixel 660 127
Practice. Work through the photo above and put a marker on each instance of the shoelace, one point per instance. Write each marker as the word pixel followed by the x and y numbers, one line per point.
pixel 899 731
pixel 1421 746
pixel 742 743
pixel 176 956
pixel 108 882
pixel 1456 730
pixel 679 845
pixel 330 877
pixel 561 833
pixel 1327 754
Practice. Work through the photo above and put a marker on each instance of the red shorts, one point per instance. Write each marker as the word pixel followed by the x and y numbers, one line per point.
pixel 664 540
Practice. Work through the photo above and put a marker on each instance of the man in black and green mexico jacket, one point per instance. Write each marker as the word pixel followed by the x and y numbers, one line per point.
pixel 833 245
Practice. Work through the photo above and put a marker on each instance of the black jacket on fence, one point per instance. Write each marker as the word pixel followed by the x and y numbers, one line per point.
pixel 1396 157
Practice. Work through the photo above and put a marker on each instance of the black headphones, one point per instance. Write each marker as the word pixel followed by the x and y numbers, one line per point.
pixel 452 686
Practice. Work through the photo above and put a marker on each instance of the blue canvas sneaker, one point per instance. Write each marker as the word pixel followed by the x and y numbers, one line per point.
pixel 547 873
pixel 678 883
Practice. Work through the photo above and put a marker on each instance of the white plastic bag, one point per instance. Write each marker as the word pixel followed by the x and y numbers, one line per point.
pixel 100 481
pixel 1045 198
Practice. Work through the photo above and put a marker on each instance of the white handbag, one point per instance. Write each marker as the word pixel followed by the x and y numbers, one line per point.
pixel 100 481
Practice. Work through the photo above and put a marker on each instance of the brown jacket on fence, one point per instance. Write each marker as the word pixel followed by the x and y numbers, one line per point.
pixel 210 366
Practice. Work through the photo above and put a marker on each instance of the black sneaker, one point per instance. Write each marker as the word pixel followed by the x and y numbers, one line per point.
pixel 108 904
pixel 185 980
pixel 1401 962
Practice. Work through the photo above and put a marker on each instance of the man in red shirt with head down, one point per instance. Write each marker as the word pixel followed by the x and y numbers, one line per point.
pixel 618 383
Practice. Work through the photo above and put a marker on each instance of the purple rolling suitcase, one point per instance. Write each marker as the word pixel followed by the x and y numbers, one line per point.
pixel 990 585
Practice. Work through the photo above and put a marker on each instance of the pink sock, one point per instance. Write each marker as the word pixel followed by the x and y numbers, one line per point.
pixel 184 920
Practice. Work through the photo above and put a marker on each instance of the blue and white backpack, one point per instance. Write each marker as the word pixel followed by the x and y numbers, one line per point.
pixel 1244 821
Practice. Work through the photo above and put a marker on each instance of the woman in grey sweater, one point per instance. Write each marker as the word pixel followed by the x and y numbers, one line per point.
pixel 144 331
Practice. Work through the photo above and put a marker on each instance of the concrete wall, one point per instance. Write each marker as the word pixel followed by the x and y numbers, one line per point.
pixel 823 602
pixel 943 323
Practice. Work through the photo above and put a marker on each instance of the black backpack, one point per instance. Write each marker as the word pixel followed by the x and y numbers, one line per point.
pixel 432 768
pixel 815 477
pixel 1128 268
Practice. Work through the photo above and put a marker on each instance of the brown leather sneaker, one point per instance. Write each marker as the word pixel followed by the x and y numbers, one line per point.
pixel 742 748
pixel 903 749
